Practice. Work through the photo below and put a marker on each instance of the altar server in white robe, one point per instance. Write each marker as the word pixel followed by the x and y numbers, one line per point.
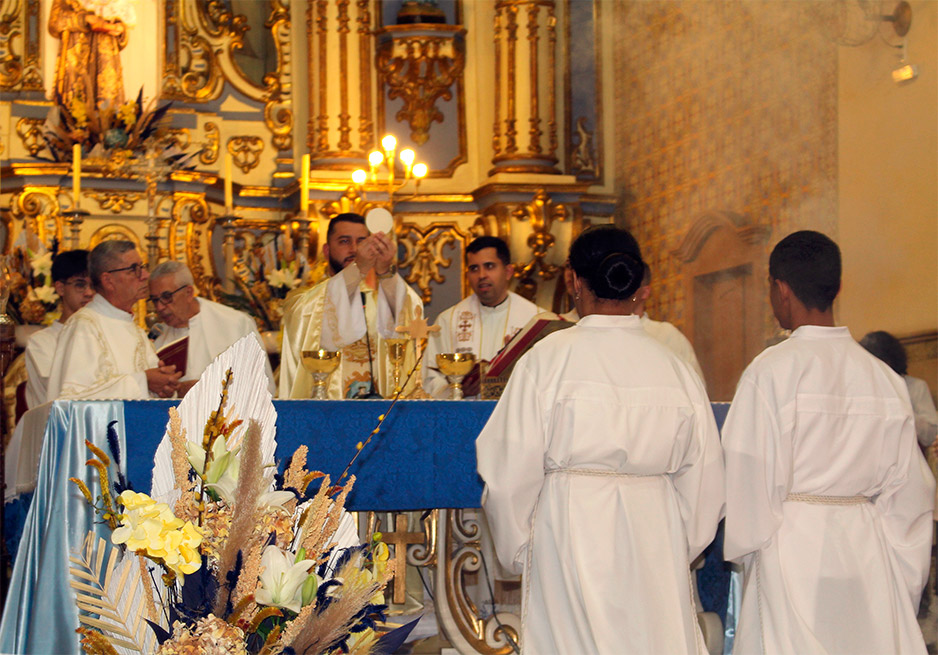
pixel 828 498
pixel 211 327
pixel 603 473
pixel 73 286
pixel 354 311
pixel 483 322
pixel 102 353
pixel 890 350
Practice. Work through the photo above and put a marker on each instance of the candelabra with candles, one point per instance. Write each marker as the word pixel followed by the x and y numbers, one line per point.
pixel 384 158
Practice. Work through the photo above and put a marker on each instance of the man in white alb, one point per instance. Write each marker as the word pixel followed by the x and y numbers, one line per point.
pixel 828 497
pixel 211 327
pixel 354 311
pixel 73 286
pixel 662 331
pixel 101 353
pixel 486 320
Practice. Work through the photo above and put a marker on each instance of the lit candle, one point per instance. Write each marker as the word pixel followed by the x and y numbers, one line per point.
pixel 76 175
pixel 304 185
pixel 229 204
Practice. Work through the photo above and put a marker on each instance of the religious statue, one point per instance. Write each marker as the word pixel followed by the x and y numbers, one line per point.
pixel 92 32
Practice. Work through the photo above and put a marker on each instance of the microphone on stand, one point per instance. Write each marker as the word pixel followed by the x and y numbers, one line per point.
pixel 371 367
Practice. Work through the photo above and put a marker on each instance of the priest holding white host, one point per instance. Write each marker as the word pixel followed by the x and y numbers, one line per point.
pixel 102 353
pixel 353 312
pixel 209 327
pixel 486 320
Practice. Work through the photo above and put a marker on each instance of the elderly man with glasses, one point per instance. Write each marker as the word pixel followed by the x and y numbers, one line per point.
pixel 208 327
pixel 102 353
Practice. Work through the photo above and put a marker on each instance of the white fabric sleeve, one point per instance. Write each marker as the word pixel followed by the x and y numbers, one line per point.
pixel 510 453
pixel 343 316
pixel 392 293
pixel 906 506
pixel 700 483
pixel 80 370
pixel 434 382
pixel 758 472
pixel 926 417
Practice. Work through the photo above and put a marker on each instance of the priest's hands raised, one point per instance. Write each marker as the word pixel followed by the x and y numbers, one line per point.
pixel 375 252
pixel 163 380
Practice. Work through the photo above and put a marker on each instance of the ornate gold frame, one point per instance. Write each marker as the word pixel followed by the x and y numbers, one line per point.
pixel 20 38
pixel 205 35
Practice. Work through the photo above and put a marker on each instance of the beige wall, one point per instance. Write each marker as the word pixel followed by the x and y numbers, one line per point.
pixel 888 182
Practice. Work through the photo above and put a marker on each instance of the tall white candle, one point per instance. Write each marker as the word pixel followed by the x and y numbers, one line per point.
pixel 304 184
pixel 76 175
pixel 229 204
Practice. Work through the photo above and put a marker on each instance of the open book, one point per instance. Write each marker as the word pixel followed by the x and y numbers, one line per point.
pixel 175 353
pixel 500 368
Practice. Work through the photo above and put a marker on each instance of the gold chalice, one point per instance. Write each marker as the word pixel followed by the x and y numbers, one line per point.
pixel 455 366
pixel 396 350
pixel 321 364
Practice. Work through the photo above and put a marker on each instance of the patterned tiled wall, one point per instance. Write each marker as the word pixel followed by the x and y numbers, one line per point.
pixel 722 105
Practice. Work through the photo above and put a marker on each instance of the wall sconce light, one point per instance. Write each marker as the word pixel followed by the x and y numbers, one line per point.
pixel 386 158
pixel 905 72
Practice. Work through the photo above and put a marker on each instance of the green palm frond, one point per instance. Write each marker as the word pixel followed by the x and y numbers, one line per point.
pixel 111 597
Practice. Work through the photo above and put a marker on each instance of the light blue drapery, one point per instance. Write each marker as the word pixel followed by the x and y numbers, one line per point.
pixel 40 614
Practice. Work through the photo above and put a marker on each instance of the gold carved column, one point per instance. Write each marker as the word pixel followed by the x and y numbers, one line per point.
pixel 525 131
pixel 340 131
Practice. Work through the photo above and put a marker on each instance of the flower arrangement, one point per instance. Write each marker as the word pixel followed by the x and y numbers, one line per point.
pixel 264 274
pixel 250 561
pixel 33 299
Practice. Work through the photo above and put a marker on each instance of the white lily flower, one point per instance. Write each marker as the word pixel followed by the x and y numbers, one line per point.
pixel 42 265
pixel 281 580
pixel 222 475
pixel 283 277
pixel 275 498
pixel 46 294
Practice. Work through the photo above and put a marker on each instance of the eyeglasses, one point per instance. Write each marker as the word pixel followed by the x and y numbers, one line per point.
pixel 136 269
pixel 166 297
pixel 81 284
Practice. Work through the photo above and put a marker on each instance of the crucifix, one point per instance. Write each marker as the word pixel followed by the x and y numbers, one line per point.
pixel 400 539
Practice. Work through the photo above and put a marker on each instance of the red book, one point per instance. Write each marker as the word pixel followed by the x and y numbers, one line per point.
pixel 175 353
pixel 530 334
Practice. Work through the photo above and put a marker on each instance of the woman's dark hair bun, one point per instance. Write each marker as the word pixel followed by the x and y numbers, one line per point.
pixel 609 260
pixel 618 271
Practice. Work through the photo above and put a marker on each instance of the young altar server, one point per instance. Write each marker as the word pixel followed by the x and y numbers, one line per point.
pixel 603 473
pixel 210 327
pixel 73 286
pixel 828 498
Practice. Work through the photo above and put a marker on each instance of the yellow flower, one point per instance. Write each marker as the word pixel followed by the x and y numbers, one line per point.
pixel 128 114
pixel 79 111
pixel 151 529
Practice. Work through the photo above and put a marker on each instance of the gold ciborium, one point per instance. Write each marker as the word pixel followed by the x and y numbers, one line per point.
pixel 321 364
pixel 396 351
pixel 455 366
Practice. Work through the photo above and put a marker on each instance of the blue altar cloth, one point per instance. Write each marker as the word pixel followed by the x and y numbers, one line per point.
pixel 424 457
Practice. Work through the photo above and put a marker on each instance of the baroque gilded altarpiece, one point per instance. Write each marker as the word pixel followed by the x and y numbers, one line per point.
pixel 504 107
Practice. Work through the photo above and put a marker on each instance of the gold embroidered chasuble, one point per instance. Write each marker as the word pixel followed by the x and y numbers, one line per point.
pixel 326 317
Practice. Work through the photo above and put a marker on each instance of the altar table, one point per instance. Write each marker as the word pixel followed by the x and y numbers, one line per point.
pixel 423 457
